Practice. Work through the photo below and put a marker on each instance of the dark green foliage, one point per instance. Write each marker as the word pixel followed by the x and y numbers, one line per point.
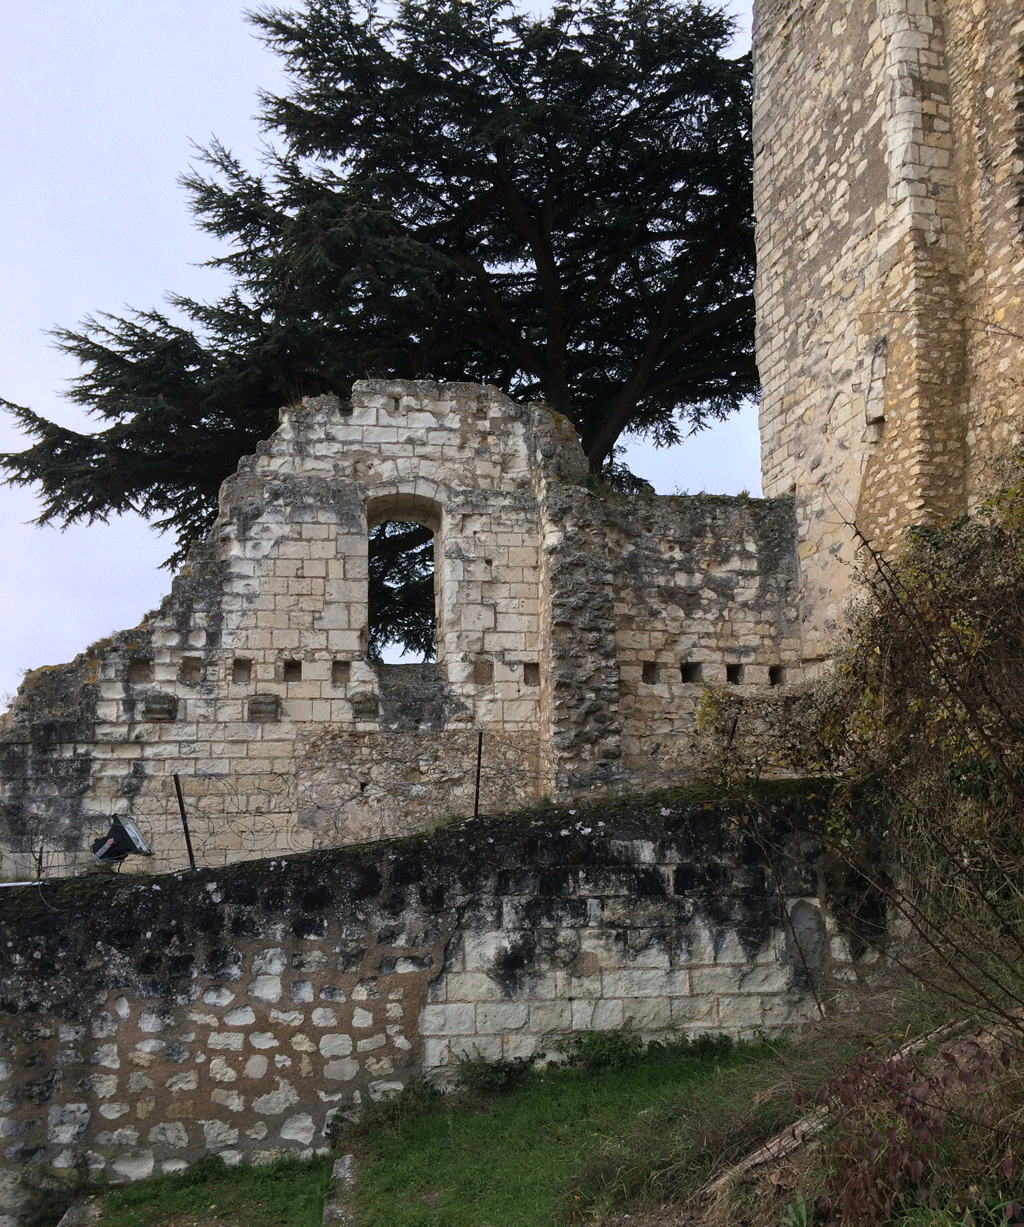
pixel 922 725
pixel 401 589
pixel 387 1115
pixel 476 1073
pixel 560 206
pixel 602 1051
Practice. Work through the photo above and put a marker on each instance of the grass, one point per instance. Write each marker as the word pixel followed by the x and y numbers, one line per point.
pixel 506 1156
pixel 287 1193
pixel 623 1125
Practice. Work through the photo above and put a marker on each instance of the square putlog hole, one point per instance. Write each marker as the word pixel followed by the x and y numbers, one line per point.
pixel 691 672
pixel 291 670
pixel 140 671
pixel 341 672
pixel 160 708
pixel 734 674
pixel 650 673
pixel 776 675
pixel 191 670
pixel 241 671
pixel 531 673
pixel 264 709
pixel 483 672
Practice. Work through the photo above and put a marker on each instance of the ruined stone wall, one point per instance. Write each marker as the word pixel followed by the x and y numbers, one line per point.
pixel 887 190
pixel 673 595
pixel 252 681
pixel 146 1022
pixel 575 630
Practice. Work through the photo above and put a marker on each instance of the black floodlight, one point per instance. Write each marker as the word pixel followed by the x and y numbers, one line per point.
pixel 123 838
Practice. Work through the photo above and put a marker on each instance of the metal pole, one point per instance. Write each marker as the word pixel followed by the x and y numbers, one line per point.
pixel 479 755
pixel 184 820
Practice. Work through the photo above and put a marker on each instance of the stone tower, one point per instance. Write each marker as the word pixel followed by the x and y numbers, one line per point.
pixel 889 177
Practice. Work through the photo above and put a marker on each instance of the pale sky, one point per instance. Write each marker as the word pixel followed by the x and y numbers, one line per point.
pixel 101 101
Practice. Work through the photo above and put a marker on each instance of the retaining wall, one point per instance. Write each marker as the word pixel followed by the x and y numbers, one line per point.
pixel 148 1021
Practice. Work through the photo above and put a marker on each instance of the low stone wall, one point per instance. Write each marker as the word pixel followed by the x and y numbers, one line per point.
pixel 148 1021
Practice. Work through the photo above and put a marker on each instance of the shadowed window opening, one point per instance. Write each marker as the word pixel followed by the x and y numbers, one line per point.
pixel 401 615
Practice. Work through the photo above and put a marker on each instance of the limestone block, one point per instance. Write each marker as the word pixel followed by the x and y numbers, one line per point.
pixel 217 1133
pixel 649 1014
pixel 221 1071
pixel 341 1070
pixel 504 1016
pixel 299 1128
pixel 169 1133
pixel 609 1015
pixel 263 1039
pixel 266 989
pixel 448 1020
pixel 66 1123
pixel 335 1045
pixel 134 1165
pixel 225 1039
pixel 549 1017
pixel 277 1101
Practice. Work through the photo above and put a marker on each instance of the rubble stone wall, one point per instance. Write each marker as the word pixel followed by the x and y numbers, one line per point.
pixel 148 1021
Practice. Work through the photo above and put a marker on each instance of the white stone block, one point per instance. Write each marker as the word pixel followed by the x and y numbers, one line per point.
pixel 276 1101
pixel 217 1133
pixel 448 1020
pixel 494 1017
pixel 299 1128
pixel 342 1070
pixel 135 1165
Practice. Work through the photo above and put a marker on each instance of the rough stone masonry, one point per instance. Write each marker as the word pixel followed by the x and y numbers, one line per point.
pixel 148 1021
pixel 889 193
pixel 576 629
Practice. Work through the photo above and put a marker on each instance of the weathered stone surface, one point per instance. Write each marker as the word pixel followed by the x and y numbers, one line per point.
pixel 573 626
pixel 490 937
pixel 889 166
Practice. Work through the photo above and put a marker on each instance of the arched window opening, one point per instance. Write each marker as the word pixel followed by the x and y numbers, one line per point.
pixel 402 621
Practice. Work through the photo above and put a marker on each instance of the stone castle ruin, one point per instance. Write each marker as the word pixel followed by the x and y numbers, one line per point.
pixel 576 630
pixel 146 1021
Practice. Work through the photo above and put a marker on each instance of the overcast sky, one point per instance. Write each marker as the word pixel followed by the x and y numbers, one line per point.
pixel 102 101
